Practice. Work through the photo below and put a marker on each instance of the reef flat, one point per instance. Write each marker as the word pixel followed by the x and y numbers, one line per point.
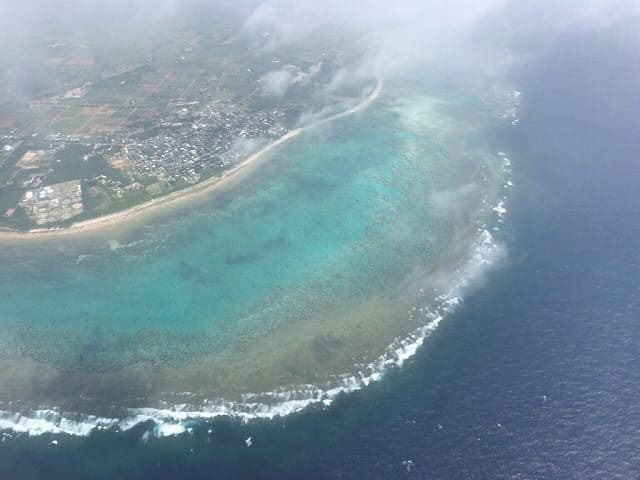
pixel 310 274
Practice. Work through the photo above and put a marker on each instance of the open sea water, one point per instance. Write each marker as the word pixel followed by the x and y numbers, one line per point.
pixel 536 376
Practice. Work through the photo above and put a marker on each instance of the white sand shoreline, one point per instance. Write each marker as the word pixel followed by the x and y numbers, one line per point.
pixel 205 186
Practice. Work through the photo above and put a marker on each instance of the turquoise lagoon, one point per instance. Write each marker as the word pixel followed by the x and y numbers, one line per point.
pixel 304 274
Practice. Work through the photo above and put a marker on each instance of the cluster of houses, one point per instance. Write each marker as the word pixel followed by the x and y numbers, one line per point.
pixel 198 141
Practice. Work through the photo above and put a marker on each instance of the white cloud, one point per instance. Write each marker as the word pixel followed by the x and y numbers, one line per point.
pixel 448 203
pixel 276 83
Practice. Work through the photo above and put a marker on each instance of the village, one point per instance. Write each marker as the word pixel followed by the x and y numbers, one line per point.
pixel 210 139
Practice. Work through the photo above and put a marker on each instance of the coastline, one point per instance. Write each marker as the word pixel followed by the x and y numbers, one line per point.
pixel 206 186
pixel 260 381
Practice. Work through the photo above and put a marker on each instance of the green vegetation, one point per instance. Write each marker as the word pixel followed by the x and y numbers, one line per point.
pixel 76 161
pixel 99 201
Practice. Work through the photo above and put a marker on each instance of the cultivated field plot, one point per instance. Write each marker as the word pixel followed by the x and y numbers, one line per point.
pixel 82 121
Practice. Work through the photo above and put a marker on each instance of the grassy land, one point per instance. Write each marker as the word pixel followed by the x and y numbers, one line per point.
pixel 70 164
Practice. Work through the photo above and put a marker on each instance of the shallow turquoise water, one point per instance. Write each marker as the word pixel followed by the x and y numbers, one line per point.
pixel 340 215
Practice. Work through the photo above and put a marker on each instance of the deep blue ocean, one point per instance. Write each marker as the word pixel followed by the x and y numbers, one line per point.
pixel 537 376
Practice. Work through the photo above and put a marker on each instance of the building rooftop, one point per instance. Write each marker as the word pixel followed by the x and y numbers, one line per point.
pixel 54 203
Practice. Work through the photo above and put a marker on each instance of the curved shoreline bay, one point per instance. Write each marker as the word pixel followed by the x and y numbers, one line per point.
pixel 318 270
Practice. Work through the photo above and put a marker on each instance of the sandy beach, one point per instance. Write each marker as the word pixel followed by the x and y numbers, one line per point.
pixel 204 187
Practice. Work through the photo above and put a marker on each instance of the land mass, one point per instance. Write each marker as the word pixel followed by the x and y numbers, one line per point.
pixel 203 187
